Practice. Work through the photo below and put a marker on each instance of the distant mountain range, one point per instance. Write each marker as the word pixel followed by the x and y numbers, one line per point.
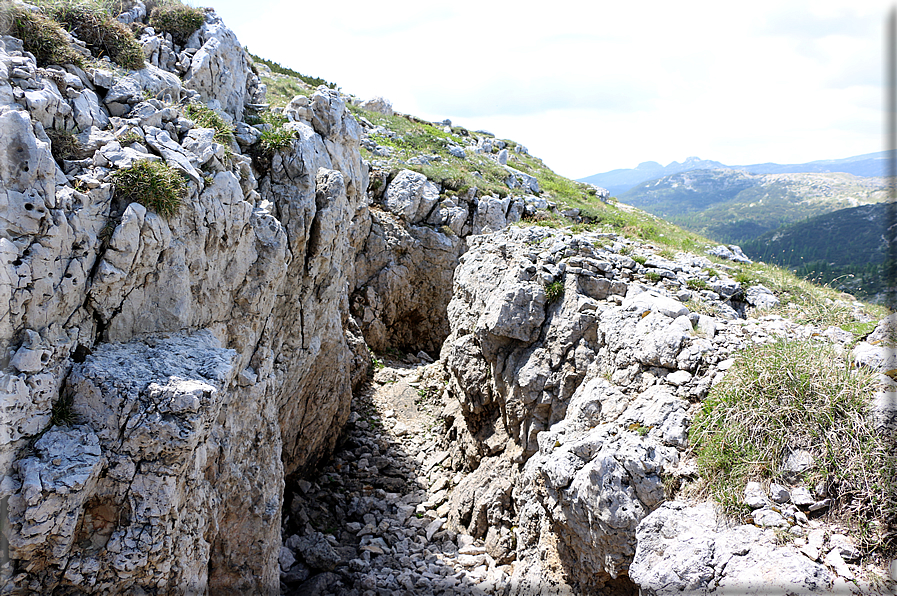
pixel 619 181
pixel 825 219
pixel 733 206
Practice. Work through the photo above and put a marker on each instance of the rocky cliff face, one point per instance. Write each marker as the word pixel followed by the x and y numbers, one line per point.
pixel 163 377
pixel 204 355
pixel 571 416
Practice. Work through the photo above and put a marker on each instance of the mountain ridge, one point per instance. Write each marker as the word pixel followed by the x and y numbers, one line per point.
pixel 618 181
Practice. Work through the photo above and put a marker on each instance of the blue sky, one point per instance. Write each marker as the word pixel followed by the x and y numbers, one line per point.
pixel 593 87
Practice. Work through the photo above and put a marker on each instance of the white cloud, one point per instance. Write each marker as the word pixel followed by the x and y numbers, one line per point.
pixel 593 87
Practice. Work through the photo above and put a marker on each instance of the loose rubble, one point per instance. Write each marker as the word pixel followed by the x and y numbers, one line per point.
pixel 373 521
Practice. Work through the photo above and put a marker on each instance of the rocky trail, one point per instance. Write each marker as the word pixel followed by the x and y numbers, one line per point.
pixel 373 520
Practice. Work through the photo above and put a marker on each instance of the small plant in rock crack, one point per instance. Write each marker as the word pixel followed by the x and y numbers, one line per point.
pixel 271 141
pixel 376 363
pixel 653 276
pixel 63 144
pixel 206 117
pixel 63 412
pixel 153 184
pixel 554 291
pixel 696 284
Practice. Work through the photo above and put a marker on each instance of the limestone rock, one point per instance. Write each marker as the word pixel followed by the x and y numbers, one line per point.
pixel 731 253
pixel 687 549
pixel 411 196
pixel 219 70
pixel 761 297
pixel 378 104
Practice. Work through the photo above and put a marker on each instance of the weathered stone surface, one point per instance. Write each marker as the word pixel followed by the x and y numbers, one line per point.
pixel 411 196
pixel 132 89
pixel 255 261
pixel 378 104
pixel 144 466
pixel 219 70
pixel 688 549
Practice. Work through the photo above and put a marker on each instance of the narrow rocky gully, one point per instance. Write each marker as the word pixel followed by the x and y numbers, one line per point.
pixel 373 519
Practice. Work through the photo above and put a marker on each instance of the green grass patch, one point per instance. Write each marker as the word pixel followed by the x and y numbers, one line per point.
pixel 274 140
pixel 554 291
pixel 282 89
pixel 40 35
pixel 797 395
pixel 805 302
pixel 177 19
pixel 696 284
pixel 205 117
pixel 153 184
pixel 94 24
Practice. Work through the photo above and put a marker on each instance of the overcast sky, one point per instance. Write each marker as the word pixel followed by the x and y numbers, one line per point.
pixel 591 87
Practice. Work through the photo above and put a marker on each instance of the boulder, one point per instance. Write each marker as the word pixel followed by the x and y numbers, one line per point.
pixel 219 70
pixel 688 549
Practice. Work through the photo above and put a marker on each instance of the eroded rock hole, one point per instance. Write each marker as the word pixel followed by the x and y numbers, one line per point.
pixel 99 519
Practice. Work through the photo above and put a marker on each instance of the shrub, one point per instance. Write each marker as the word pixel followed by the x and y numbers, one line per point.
pixel 41 36
pixel 788 396
pixel 103 34
pixel 554 291
pixel 153 184
pixel 177 19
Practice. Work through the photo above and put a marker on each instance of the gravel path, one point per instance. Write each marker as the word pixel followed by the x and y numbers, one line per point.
pixel 373 521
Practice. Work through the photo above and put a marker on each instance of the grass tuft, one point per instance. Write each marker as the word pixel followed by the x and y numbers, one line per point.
pixel 554 291
pixel 177 19
pixel 63 412
pixel 40 35
pixel 95 26
pixel 153 184
pixel 787 396
pixel 63 144
pixel 205 117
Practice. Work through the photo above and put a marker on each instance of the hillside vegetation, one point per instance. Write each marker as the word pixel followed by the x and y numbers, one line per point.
pixel 733 206
pixel 846 248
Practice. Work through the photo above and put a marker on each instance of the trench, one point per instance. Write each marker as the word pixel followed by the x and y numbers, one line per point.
pixel 372 520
